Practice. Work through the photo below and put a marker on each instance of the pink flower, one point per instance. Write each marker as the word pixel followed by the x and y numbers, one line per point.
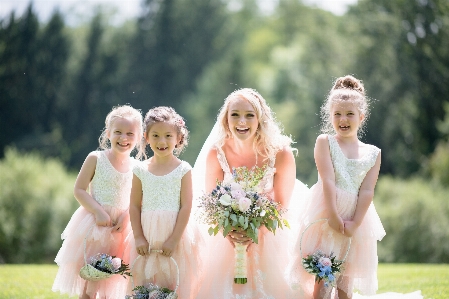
pixel 325 261
pixel 244 204
pixel 116 263
pixel 238 193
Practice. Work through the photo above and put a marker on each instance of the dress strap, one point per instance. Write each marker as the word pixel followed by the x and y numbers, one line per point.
pixel 222 160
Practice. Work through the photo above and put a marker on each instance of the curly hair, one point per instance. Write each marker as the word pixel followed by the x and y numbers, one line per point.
pixel 269 137
pixel 127 112
pixel 347 88
pixel 167 115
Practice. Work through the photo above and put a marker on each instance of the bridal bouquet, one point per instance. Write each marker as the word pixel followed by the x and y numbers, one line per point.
pixel 103 266
pixel 323 267
pixel 241 205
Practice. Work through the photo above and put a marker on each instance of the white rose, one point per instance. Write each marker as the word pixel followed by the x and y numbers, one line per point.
pixel 225 200
pixel 262 213
pixel 244 204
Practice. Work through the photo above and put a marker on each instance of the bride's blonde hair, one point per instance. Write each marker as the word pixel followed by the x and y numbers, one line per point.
pixel 269 137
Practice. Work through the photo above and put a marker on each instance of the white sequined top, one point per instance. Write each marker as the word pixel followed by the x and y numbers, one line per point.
pixel 161 193
pixel 110 187
pixel 266 183
pixel 350 173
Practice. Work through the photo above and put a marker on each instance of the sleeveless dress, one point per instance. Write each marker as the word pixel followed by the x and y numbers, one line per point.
pixel 160 206
pixel 360 267
pixel 111 189
pixel 267 260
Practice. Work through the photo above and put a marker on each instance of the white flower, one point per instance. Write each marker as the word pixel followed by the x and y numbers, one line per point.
pixel 262 213
pixel 225 200
pixel 236 187
pixel 244 204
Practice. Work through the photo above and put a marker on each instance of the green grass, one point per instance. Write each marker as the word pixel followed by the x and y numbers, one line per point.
pixel 35 281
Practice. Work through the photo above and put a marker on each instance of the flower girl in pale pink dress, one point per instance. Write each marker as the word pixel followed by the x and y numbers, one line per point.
pixel 103 217
pixel 161 201
pixel 348 170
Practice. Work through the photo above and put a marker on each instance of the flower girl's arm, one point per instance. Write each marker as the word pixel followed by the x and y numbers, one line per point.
pixel 326 172
pixel 284 178
pixel 135 206
pixel 85 175
pixel 183 215
pixel 213 171
pixel 366 194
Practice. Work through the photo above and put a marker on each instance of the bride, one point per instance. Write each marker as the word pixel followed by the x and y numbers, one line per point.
pixel 247 134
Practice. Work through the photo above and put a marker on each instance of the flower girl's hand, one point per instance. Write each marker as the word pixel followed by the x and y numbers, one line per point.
pixel 168 247
pixel 142 246
pixel 336 223
pixel 102 218
pixel 350 228
pixel 122 222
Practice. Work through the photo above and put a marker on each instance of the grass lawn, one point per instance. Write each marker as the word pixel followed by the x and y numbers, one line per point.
pixel 35 281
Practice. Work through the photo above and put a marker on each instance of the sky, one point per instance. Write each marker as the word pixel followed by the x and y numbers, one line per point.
pixel 79 10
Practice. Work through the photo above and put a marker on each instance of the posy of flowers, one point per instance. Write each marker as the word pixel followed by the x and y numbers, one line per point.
pixel 152 291
pixel 241 204
pixel 109 264
pixel 323 267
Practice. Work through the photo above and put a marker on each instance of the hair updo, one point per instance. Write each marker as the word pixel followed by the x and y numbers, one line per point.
pixel 347 88
pixel 170 116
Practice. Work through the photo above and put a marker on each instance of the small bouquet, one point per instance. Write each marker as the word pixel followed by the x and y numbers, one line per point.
pixel 103 266
pixel 323 267
pixel 241 205
pixel 152 292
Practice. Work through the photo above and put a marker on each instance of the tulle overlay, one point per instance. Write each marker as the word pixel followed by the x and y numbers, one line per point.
pixel 360 267
pixel 158 269
pixel 70 257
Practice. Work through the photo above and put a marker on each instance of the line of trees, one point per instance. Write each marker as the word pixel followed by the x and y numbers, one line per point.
pixel 57 83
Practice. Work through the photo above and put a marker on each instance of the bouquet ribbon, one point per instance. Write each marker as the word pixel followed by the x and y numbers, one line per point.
pixel 241 261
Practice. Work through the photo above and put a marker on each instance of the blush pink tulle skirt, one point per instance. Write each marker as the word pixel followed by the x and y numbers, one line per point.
pixel 70 257
pixel 160 270
pixel 360 267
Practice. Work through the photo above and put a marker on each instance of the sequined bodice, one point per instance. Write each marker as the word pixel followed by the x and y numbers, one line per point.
pixel 265 185
pixel 161 193
pixel 350 173
pixel 110 187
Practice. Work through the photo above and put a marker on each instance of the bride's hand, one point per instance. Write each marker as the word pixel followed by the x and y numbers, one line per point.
pixel 238 236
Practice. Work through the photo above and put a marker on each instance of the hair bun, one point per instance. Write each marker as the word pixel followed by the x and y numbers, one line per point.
pixel 349 82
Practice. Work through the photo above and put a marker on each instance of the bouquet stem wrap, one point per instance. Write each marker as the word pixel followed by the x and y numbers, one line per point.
pixel 240 276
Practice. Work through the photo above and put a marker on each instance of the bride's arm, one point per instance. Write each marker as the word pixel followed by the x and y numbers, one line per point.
pixel 213 171
pixel 285 176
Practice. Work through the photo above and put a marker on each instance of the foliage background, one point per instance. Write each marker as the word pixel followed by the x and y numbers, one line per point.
pixel 58 82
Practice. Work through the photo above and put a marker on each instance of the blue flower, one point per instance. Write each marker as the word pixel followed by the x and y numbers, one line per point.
pixel 331 277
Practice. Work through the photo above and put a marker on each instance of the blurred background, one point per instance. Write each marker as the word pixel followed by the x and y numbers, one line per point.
pixel 65 64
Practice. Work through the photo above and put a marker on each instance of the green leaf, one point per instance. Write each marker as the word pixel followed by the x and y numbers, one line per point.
pixel 242 220
pixel 210 231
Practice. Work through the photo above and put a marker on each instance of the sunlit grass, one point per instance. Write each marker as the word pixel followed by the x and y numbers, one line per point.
pixel 35 281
